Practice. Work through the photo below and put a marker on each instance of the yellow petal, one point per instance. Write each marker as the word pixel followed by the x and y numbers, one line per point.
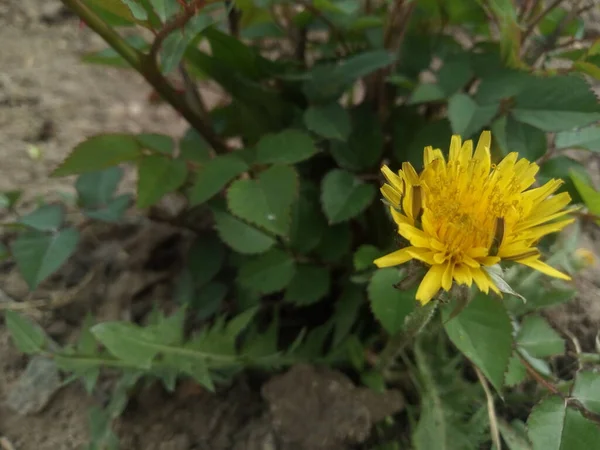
pixel 432 281
pixel 422 254
pixel 538 194
pixel 466 153
pixel 448 275
pixel 483 153
pixel 462 275
pixel 455 145
pixel 428 156
pixel 543 230
pixel 481 280
pixel 416 237
pixel 410 174
pixel 488 260
pixel 393 179
pixel 393 259
pixel 399 217
pixel 540 266
pixel 391 195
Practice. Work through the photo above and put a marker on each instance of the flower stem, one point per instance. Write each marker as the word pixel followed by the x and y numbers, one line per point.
pixel 413 325
pixel 146 66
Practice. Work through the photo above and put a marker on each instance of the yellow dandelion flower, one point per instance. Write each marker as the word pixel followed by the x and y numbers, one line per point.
pixel 465 213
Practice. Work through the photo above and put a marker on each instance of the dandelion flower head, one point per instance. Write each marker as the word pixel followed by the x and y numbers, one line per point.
pixel 465 214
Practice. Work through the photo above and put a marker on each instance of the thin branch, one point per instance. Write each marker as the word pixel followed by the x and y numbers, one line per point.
pixel 233 18
pixel 133 56
pixel 491 409
pixel 176 23
pixel 146 65
pixel 193 93
pixel 537 19
pixel 570 401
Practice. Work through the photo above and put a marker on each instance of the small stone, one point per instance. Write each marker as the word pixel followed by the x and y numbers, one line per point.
pixel 36 386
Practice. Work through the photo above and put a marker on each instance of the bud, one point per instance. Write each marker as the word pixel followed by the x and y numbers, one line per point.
pixel 584 258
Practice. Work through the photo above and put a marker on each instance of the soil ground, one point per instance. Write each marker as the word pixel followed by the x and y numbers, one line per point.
pixel 50 101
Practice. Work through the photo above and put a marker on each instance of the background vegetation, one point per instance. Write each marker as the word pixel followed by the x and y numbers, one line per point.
pixel 279 188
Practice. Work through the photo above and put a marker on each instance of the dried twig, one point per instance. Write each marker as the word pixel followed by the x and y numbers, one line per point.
pixel 491 409
pixel 6 444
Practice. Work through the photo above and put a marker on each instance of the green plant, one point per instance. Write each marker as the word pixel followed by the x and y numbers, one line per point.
pixel 294 220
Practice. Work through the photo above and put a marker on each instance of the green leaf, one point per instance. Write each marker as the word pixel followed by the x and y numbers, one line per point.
pixel 267 273
pixel 38 255
pixel 4 253
pixel 347 308
pixel 9 199
pixel 436 133
pixel 159 143
pixel 516 372
pixel 344 196
pixel 308 222
pixel 539 338
pixel 45 218
pixel 95 189
pixel 165 8
pixel 557 103
pixel 113 211
pixel 528 141
pixel 587 138
pixel 590 196
pixel 554 426
pixel 390 306
pixel 335 243
pixel 241 237
pixel 102 436
pixel 538 298
pixel 136 9
pixel 129 342
pixel 208 299
pixel 502 84
pixel 328 82
pixel 99 152
pixel 561 167
pixel 287 147
pixel 364 257
pixel 365 144
pixel 205 258
pixel 515 436
pixel 309 285
pixel 112 11
pixel 467 117
pixel 158 175
pixel 176 44
pixel 29 337
pixel 425 93
pixel 193 147
pixel 483 333
pixel 454 74
pixel 110 57
pixel 267 201
pixel 587 390
pixel 214 175
pixel 330 121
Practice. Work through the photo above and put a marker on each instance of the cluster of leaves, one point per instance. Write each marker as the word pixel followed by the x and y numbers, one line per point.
pixel 295 220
